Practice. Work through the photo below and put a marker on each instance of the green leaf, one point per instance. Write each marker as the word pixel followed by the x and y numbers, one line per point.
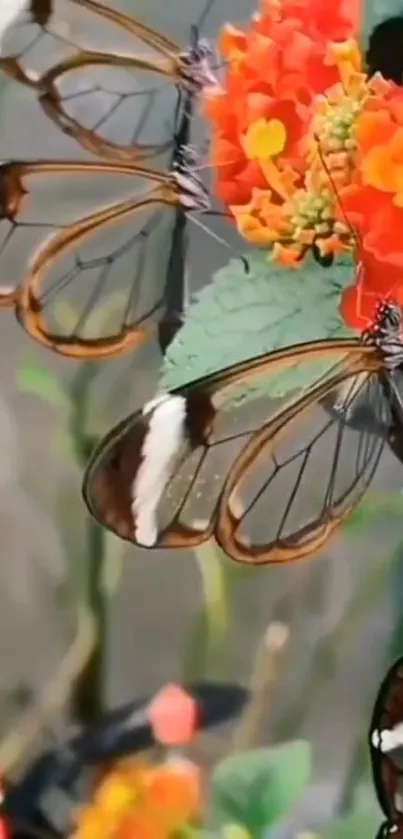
pixel 259 787
pixel 239 316
pixel 35 379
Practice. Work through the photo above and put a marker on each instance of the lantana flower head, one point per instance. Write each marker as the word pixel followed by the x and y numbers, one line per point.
pixel 373 204
pixel 275 69
pixel 141 801
pixel 284 80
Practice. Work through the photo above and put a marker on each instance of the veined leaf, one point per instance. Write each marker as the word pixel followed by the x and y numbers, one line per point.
pixel 259 787
pixel 239 316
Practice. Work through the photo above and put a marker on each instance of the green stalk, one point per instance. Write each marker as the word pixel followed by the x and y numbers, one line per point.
pixel 206 652
pixel 267 665
pixel 88 694
pixel 89 688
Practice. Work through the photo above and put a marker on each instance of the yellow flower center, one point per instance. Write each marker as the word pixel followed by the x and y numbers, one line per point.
pixel 264 139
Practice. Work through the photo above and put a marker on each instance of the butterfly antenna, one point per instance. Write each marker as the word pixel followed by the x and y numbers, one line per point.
pixel 209 232
pixel 218 238
pixel 336 192
pixel 204 15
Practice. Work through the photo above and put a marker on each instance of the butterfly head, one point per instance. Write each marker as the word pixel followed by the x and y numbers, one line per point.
pixel 197 64
pixel 388 317
pixel 385 333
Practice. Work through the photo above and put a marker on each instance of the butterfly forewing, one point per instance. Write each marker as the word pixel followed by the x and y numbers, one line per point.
pixel 90 280
pixel 95 77
pixel 158 478
pixel 300 476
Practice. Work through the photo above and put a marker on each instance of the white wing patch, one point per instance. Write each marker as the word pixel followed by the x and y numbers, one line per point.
pixel 166 433
pixel 388 739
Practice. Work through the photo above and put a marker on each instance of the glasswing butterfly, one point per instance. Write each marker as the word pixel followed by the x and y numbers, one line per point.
pixel 386 751
pixel 269 484
pixel 115 243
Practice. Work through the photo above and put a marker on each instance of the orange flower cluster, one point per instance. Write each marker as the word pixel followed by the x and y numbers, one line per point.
pixel 373 202
pixel 262 114
pixel 307 150
pixel 141 801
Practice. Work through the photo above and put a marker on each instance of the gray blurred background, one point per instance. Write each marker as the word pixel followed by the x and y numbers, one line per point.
pixel 343 609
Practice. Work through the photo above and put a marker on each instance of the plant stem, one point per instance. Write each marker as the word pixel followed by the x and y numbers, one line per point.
pixel 264 675
pixel 16 746
pixel 88 694
pixel 206 650
pixel 358 770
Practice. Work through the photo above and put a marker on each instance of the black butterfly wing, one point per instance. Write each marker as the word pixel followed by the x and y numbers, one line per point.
pixel 386 743
pixel 390 830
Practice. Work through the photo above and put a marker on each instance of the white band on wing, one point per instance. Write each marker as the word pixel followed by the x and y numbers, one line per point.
pixel 388 739
pixel 165 435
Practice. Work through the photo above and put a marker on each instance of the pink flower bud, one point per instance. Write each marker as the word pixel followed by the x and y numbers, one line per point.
pixel 173 716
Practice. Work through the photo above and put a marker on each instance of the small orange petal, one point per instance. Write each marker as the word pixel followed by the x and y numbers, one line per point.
pixel 254 231
pixel 373 128
pixel 289 257
pixel 347 56
pixel 331 245
pixel 398 199
pixel 275 179
pixel 174 790
pixel 231 42
pixel 139 826
pixel 396 144
pixel 377 169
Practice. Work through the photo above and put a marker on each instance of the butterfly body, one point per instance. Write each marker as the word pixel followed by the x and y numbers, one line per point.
pixel 193 193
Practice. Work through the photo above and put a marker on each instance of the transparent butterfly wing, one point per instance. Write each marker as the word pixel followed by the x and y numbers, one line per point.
pixel 191 506
pixel 301 476
pixel 111 107
pixel 84 287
